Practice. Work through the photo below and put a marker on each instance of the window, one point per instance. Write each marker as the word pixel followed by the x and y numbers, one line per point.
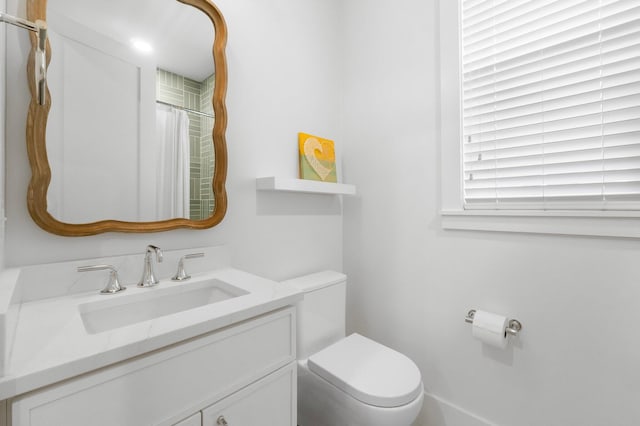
pixel 573 164
pixel 550 104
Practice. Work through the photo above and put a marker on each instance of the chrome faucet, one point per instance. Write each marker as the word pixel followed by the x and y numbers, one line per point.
pixel 149 278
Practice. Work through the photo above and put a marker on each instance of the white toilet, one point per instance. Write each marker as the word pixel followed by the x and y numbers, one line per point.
pixel 347 381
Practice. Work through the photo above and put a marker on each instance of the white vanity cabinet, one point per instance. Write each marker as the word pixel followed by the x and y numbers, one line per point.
pixel 245 373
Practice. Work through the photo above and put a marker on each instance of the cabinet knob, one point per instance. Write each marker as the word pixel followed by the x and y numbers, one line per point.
pixel 221 421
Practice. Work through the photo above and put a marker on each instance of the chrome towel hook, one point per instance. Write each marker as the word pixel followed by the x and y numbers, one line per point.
pixel 40 28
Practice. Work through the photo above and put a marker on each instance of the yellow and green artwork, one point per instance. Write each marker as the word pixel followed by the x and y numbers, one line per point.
pixel 317 158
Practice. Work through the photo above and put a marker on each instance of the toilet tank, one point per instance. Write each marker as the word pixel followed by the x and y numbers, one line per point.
pixel 321 314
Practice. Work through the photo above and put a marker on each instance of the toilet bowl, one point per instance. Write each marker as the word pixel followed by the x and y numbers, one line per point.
pixel 357 381
pixel 353 380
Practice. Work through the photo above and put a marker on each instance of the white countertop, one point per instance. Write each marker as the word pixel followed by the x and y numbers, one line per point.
pixel 50 342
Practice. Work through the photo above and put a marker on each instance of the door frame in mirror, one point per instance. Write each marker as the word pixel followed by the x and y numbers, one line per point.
pixel 37 150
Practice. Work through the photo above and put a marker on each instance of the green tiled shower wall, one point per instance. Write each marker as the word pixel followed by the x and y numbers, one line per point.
pixel 184 92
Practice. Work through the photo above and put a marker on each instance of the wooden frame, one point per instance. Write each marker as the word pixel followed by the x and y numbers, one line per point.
pixel 37 151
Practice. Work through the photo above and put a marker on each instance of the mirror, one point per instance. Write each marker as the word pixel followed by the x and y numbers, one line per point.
pixel 131 136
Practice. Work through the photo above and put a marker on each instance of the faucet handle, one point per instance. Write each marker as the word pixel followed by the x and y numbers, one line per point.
pixel 182 275
pixel 113 285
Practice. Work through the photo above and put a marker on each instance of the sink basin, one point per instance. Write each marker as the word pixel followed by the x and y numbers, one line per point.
pixel 148 304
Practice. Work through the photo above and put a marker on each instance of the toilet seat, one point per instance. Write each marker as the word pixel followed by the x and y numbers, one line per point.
pixel 368 371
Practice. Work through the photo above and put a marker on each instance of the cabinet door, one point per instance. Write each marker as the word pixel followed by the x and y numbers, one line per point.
pixel 195 420
pixel 270 401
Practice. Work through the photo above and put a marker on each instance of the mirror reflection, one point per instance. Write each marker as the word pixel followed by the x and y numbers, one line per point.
pixel 129 133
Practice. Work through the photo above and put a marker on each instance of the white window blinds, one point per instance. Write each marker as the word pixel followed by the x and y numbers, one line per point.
pixel 551 104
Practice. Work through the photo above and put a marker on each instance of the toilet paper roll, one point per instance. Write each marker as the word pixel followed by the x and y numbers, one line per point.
pixel 490 328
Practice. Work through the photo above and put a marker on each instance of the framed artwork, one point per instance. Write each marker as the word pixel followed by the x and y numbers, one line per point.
pixel 317 158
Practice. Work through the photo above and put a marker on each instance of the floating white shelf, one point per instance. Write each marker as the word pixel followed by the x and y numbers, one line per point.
pixel 273 183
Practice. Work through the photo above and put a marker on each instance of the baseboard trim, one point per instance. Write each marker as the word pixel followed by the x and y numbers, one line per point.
pixel 439 412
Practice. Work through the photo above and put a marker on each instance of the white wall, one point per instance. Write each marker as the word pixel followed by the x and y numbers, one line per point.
pixel 283 79
pixel 3 5
pixel 411 283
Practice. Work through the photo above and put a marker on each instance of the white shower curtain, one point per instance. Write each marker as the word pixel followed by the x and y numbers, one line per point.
pixel 172 173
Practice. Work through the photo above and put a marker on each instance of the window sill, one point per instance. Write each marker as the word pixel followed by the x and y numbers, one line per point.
pixel 624 224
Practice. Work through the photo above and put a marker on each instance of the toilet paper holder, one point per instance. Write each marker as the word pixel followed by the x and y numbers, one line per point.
pixel 513 329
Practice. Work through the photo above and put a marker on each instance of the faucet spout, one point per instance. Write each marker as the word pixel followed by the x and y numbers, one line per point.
pixel 153 249
pixel 149 278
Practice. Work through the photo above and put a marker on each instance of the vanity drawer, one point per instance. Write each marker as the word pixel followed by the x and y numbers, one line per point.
pixel 271 401
pixel 195 420
pixel 166 386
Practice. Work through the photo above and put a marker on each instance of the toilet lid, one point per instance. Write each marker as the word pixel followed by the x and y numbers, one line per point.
pixel 368 371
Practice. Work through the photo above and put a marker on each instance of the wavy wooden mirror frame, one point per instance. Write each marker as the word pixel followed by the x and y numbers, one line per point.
pixel 37 150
